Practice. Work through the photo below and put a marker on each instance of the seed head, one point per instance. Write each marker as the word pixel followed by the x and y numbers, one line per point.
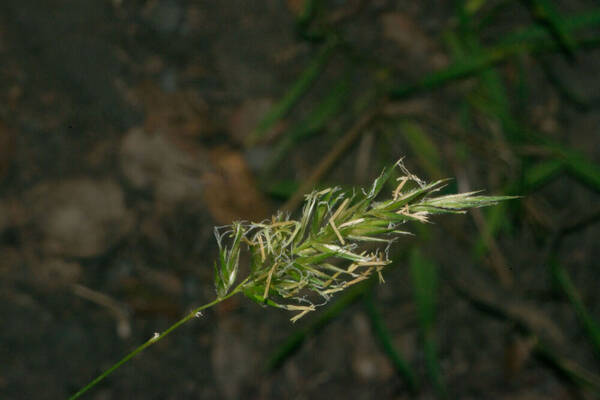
pixel 339 240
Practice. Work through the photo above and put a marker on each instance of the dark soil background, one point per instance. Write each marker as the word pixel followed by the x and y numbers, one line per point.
pixel 129 128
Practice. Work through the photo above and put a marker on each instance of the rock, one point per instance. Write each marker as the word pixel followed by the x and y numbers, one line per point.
pixel 152 162
pixel 79 217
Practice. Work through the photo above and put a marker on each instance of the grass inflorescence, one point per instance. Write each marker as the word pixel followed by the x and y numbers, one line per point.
pixel 339 240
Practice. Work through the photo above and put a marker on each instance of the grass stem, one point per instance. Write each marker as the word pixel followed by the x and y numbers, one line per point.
pixel 192 314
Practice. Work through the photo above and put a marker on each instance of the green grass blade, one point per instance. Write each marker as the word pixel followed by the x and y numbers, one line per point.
pixel 545 12
pixel 472 6
pixel 424 278
pixel 293 95
pixel 570 23
pixel 423 147
pixel 569 369
pixel 564 282
pixel 530 39
pixel 314 123
pixel 541 173
pixel 578 166
pixel 381 332
pixel 569 94
pixel 456 71
pixel 494 101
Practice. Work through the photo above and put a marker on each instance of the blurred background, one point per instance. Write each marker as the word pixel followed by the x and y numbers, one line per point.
pixel 129 128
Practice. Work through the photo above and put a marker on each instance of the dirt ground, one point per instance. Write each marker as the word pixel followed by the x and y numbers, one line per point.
pixel 124 138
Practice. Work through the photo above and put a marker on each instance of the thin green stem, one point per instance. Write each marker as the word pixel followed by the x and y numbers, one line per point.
pixel 192 314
